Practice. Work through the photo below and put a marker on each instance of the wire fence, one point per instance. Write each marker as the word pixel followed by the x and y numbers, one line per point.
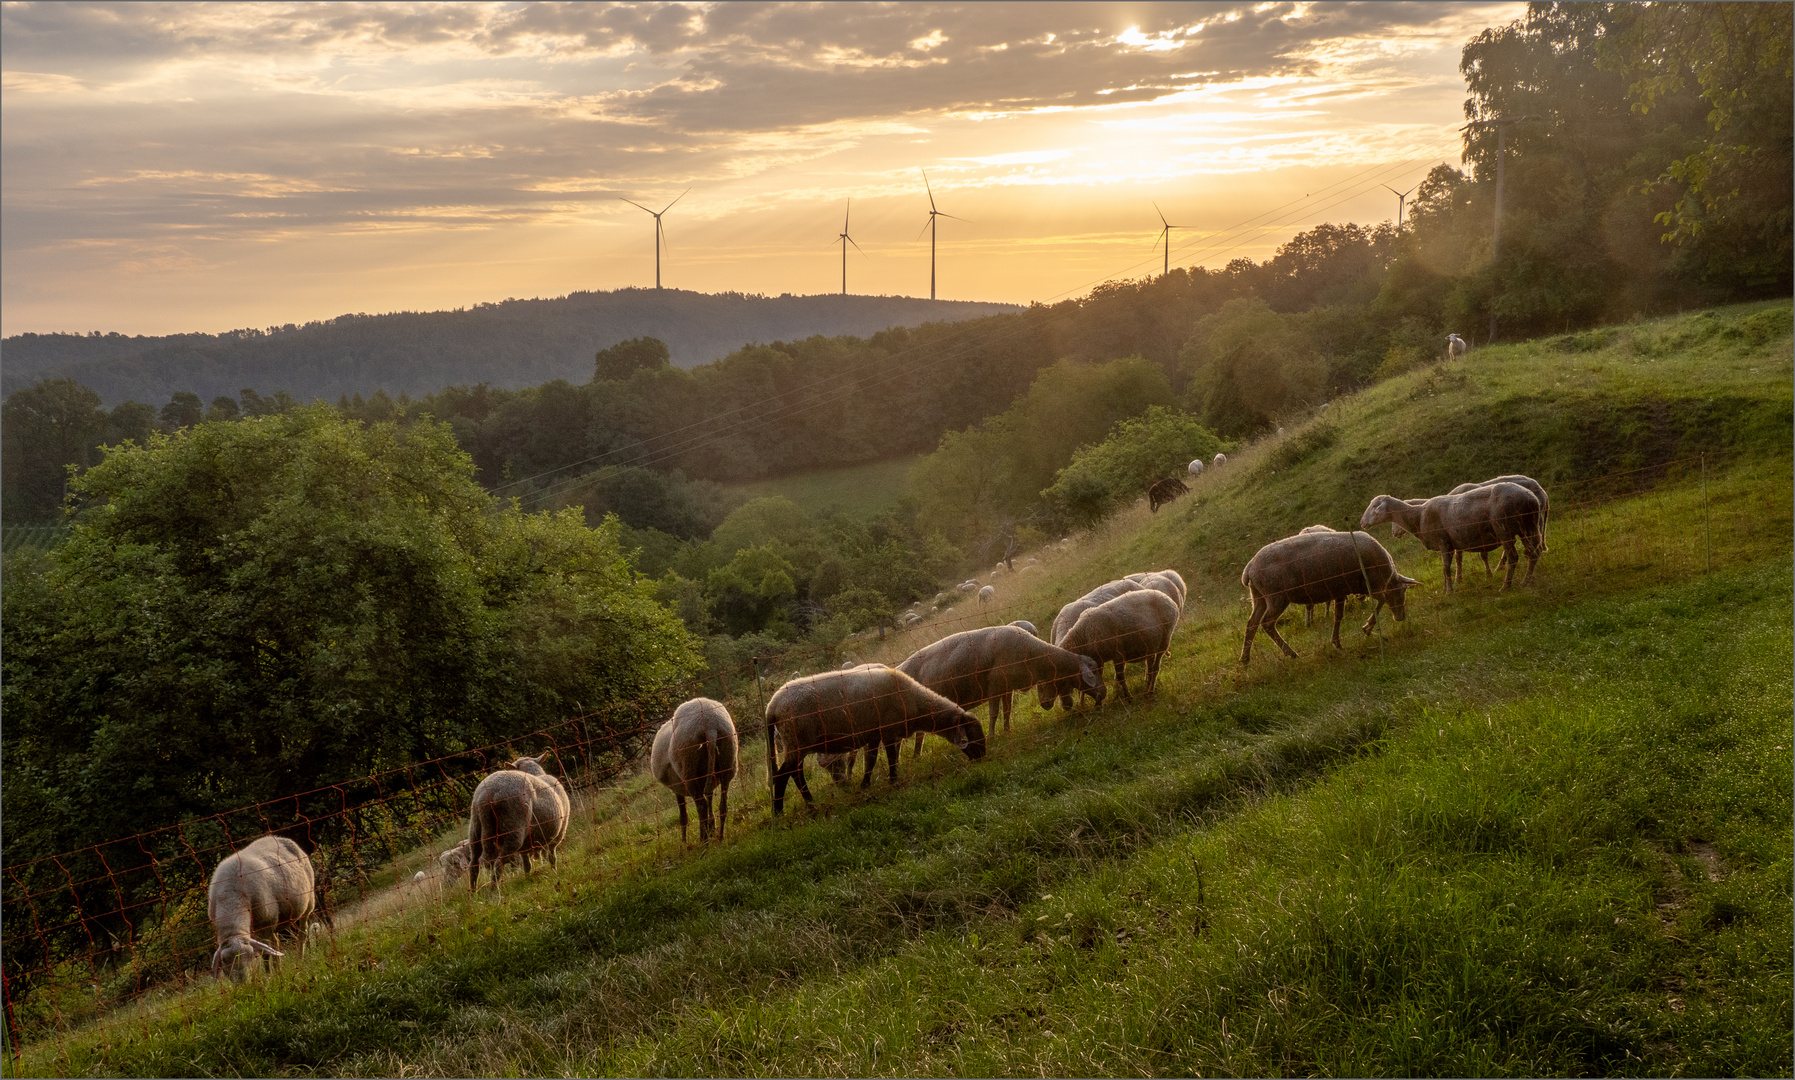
pixel 123 928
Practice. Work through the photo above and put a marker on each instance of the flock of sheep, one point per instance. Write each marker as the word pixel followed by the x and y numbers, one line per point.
pixel 861 709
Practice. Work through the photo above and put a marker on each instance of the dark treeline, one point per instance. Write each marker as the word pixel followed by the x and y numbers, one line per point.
pixel 512 343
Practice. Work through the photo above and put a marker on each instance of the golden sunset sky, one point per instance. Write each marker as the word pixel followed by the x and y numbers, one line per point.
pixel 176 167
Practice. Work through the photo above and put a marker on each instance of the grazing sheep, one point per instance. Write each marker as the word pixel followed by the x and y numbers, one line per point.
pixel 1195 468
pixel 520 811
pixel 987 595
pixel 1475 520
pixel 1309 609
pixel 1319 568
pixel 1169 582
pixel 911 618
pixel 974 667
pixel 1455 346
pixel 693 754
pixel 1528 482
pixel 1133 626
pixel 1219 461
pixel 840 711
pixel 967 586
pixel 1026 625
pixel 457 859
pixel 1164 492
pixel 263 889
pixel 417 877
pixel 1107 591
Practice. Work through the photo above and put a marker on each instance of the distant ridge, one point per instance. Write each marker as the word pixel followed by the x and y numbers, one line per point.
pixel 511 344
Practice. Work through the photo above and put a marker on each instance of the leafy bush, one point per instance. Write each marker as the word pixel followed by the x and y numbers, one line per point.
pixel 1137 453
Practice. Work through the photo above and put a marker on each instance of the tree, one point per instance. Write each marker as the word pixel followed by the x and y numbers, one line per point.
pixel 47 428
pixel 250 610
pixel 1139 451
pixel 1249 365
pixel 625 358
pixel 183 410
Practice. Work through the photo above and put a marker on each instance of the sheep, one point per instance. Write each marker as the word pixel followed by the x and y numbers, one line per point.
pixel 1527 482
pixel 1309 609
pixel 1166 581
pixel 520 812
pixel 1319 568
pixel 1195 468
pixel 967 586
pixel 1455 346
pixel 1026 625
pixel 1164 492
pixel 987 595
pixel 263 889
pixel 1133 626
pixel 1102 593
pixel 974 667
pixel 911 618
pixel 456 859
pixel 872 707
pixel 1474 520
pixel 1220 460
pixel 693 754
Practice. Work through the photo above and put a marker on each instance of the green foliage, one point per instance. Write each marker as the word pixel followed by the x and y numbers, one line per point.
pixel 625 358
pixel 248 610
pixel 749 591
pixel 1140 451
pixel 645 499
pixel 1249 366
pixel 50 429
pixel 984 480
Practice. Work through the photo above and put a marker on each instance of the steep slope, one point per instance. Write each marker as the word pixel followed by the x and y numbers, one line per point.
pixel 1537 831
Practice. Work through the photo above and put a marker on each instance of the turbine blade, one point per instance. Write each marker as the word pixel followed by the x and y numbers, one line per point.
pixel 857 247
pixel 957 218
pixel 931 190
pixel 925 227
pixel 1162 215
pixel 844 217
pixel 637 205
pixel 682 195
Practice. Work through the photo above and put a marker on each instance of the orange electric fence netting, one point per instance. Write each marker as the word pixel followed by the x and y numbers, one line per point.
pixel 124 925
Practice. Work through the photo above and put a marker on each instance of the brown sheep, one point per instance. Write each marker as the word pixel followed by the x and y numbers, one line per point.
pixel 1319 568
pixel 989 664
pixel 1475 520
pixel 872 707
pixel 694 753
pixel 1164 492
pixel 1545 508
pixel 1133 626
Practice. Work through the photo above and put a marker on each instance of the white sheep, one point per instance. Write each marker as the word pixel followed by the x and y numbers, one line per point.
pixel 263 889
pixel 520 811
pixel 1455 346
pixel 694 754
pixel 1220 460
pixel 1482 519
pixel 987 595
pixel 1195 468
pixel 1134 626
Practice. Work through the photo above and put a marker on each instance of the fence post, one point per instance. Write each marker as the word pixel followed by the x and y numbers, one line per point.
pixel 1707 532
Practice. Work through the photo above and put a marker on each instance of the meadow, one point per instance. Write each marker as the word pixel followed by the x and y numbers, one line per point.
pixel 860 490
pixel 1537 831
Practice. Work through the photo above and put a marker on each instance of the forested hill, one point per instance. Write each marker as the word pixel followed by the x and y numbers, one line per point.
pixel 510 344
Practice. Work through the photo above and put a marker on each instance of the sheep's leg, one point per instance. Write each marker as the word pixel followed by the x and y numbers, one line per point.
pixel 996 710
pixel 1008 705
pixel 916 752
pixel 722 811
pixel 1508 556
pixel 891 756
pixel 872 762
pixel 1371 623
pixel 1486 565
pixel 1153 671
pixel 1308 614
pixel 1270 623
pixel 1122 680
pixel 1339 616
pixel 1459 562
pixel 1447 556
pixel 791 768
pixel 704 817
pixel 681 796
pixel 1258 613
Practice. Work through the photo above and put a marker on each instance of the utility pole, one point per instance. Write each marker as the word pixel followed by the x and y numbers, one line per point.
pixel 1501 127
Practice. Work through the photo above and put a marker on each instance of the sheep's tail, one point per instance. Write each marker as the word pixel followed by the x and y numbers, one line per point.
pixel 707 763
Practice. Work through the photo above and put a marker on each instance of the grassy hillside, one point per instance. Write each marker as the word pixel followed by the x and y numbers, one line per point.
pixel 863 490
pixel 1538 831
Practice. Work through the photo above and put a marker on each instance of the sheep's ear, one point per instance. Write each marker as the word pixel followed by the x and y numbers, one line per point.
pixel 1405 582
pixel 263 947
pixel 217 958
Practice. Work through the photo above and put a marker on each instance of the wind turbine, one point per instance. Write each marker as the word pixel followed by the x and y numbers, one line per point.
pixel 930 226
pixel 1401 198
pixel 845 240
pixel 1167 233
pixel 660 233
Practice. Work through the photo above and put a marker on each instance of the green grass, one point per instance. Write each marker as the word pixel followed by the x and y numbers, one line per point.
pixel 861 490
pixel 1539 831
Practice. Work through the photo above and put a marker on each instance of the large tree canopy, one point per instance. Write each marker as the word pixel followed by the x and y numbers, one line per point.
pixel 251 609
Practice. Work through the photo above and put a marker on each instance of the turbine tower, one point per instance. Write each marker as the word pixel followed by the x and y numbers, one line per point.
pixel 660 233
pixel 844 239
pixel 930 226
pixel 1401 198
pixel 1167 233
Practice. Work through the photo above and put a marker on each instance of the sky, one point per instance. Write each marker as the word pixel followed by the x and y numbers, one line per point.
pixel 182 167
